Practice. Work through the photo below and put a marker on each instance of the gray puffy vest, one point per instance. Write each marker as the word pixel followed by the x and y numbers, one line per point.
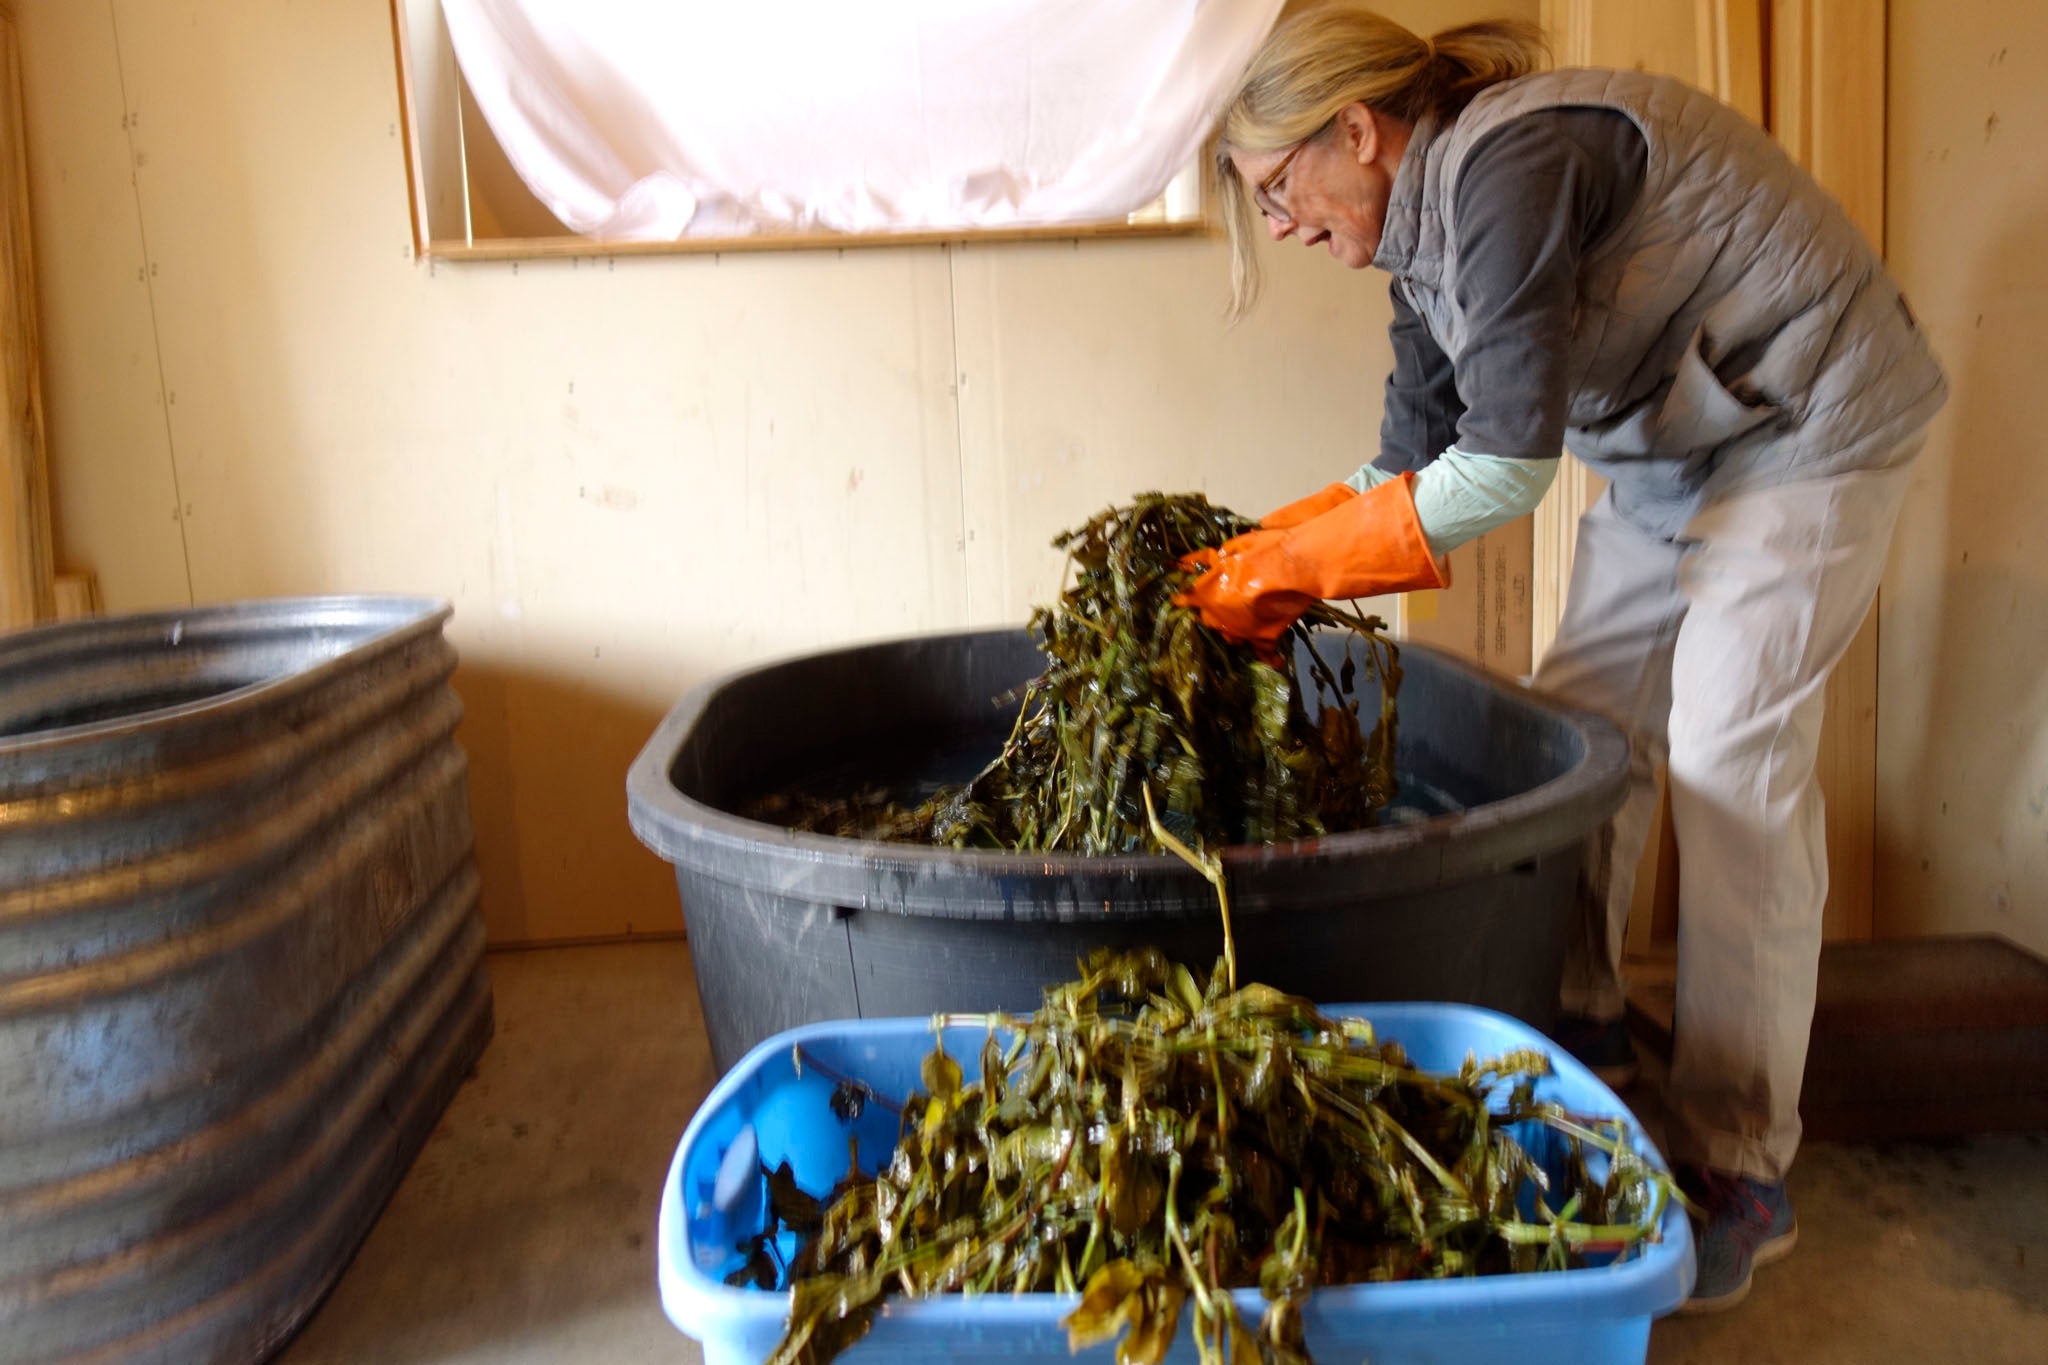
pixel 1734 329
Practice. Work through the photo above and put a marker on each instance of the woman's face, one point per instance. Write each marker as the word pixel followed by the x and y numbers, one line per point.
pixel 1332 189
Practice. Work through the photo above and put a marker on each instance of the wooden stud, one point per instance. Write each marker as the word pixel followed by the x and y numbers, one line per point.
pixel 77 596
pixel 1572 26
pixel 1556 522
pixel 26 563
pixel 1720 46
pixel 409 134
pixel 1828 92
pixel 1828 99
pixel 1732 38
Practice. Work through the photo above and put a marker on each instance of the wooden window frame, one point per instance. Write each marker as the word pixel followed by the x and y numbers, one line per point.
pixel 432 239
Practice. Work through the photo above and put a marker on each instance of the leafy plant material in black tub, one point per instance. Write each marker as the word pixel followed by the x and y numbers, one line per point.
pixel 1465 892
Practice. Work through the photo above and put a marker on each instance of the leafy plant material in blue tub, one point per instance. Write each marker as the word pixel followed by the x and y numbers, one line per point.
pixel 1599 1315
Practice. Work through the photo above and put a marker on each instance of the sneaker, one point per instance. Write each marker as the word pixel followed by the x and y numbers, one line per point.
pixel 1741 1224
pixel 1603 1047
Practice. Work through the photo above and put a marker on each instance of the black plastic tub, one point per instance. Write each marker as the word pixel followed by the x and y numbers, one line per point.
pixel 1465 894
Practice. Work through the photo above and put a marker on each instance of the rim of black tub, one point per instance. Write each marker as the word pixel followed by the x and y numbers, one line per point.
pixel 855 874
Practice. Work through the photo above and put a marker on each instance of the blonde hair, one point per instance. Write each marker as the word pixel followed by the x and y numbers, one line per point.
pixel 1322 59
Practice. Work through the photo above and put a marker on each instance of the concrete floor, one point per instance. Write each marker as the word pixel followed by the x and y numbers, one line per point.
pixel 524 1231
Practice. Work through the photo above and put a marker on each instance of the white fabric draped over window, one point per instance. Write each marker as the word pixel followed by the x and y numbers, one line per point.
pixel 631 119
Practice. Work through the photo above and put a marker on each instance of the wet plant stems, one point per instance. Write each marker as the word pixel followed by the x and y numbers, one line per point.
pixel 1211 868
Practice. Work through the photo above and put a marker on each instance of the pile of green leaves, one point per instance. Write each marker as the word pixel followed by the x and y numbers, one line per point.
pixel 1139 697
pixel 1139 694
pixel 1150 1141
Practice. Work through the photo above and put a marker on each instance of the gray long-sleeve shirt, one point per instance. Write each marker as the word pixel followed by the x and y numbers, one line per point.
pixel 1536 195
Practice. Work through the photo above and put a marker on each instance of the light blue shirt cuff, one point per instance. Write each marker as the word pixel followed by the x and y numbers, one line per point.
pixel 1368 477
pixel 1461 495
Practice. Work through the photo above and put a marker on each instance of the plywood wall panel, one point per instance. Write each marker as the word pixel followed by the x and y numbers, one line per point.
pixel 1065 409
pixel 1962 790
pixel 628 475
pixel 1645 35
pixel 114 488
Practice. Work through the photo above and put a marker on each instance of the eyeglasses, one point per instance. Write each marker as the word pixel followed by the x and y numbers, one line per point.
pixel 1262 193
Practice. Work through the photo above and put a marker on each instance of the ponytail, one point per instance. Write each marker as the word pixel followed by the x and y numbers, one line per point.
pixel 1465 60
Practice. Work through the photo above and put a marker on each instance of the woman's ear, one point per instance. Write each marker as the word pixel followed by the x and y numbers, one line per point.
pixel 1361 129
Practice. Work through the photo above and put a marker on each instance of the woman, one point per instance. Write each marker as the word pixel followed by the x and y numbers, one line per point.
pixel 1616 263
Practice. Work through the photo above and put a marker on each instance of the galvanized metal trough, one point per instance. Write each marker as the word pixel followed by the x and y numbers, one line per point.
pixel 241 963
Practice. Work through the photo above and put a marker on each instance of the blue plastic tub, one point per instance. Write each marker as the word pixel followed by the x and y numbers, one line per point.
pixel 1596 1316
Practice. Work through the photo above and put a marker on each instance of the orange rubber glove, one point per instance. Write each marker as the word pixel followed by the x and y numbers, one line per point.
pixel 1308 508
pixel 1258 584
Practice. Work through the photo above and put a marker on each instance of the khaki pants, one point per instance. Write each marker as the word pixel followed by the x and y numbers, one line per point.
pixel 1713 651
